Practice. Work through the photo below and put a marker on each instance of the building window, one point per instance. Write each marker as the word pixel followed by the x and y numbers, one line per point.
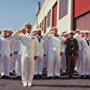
pixel 48 18
pixel 63 8
pixel 44 24
pixel 54 15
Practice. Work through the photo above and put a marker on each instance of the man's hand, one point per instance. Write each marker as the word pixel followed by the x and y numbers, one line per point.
pixel 11 54
pixel 18 32
pixel 61 53
pixel 35 57
pixel 77 53
pixel 44 55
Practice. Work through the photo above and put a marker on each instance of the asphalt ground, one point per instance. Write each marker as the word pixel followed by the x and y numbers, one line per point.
pixel 64 83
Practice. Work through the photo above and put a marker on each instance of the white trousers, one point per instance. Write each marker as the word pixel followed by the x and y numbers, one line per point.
pixel 12 63
pixel 63 63
pixel 18 65
pixel 84 68
pixel 27 68
pixel 78 62
pixel 45 62
pixel 5 65
pixel 0 66
pixel 38 66
pixel 54 64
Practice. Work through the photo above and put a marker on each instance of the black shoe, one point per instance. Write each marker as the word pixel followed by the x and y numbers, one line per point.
pixel 39 76
pixel 63 74
pixel 35 76
pixel 57 77
pixel 17 78
pixel 4 77
pixel 70 76
pixel 82 77
pixel 7 77
pixel 11 74
pixel 87 76
pixel 50 77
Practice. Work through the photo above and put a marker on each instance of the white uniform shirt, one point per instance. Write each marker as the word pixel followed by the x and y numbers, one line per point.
pixel 55 44
pixel 0 45
pixel 15 45
pixel 6 46
pixel 40 46
pixel 28 42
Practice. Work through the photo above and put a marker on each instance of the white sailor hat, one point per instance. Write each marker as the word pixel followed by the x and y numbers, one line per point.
pixel 39 29
pixel 53 28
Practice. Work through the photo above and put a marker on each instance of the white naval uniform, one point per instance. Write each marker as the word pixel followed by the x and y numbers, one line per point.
pixel 54 58
pixel 46 51
pixel 78 37
pixel 63 57
pixel 40 59
pixel 5 55
pixel 16 64
pixel 0 55
pixel 84 62
pixel 88 57
pixel 27 57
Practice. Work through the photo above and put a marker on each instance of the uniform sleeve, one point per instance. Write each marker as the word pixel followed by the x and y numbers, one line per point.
pixel 22 38
pixel 84 45
pixel 42 47
pixel 35 47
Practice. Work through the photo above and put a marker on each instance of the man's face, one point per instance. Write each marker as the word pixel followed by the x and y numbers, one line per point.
pixel 54 31
pixel 77 32
pixel 39 33
pixel 8 33
pixel 71 35
pixel 87 35
pixel 23 31
pixel 28 30
pixel 4 33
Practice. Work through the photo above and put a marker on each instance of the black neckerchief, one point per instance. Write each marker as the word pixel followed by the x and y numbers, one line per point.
pixel 39 38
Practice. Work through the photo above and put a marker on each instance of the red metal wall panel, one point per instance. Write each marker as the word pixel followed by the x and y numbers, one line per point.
pixel 54 15
pixel 83 23
pixel 81 6
pixel 44 25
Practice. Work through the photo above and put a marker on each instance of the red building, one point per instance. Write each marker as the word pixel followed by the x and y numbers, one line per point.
pixel 64 14
pixel 81 14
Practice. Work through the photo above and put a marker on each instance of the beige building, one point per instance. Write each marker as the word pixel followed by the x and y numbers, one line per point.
pixel 64 14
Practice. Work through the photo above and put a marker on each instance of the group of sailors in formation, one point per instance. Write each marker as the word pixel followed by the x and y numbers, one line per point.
pixel 27 53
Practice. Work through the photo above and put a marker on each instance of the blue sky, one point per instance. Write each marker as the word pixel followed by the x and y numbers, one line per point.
pixel 15 13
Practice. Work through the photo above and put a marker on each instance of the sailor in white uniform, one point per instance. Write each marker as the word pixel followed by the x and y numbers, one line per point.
pixel 0 52
pixel 63 59
pixel 5 54
pixel 86 56
pixel 40 60
pixel 16 57
pixel 27 56
pixel 84 60
pixel 54 59
pixel 78 37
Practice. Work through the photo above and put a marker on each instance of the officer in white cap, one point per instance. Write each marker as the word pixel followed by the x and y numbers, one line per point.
pixel 27 56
